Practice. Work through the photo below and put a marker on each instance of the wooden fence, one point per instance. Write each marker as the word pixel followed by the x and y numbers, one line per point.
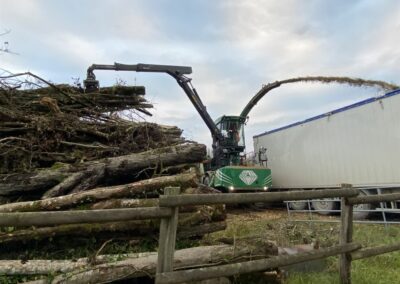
pixel 168 213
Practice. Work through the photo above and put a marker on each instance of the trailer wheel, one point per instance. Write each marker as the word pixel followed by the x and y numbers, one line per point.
pixel 362 215
pixel 298 205
pixel 326 206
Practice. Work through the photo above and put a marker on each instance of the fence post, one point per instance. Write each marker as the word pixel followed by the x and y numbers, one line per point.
pixel 167 237
pixel 346 236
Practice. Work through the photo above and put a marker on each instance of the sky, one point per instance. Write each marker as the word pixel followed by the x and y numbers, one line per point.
pixel 234 47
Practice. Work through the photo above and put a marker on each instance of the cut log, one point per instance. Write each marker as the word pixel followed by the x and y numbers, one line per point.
pixel 26 183
pixel 143 227
pixel 145 266
pixel 47 266
pixel 200 230
pixel 125 203
pixel 124 168
pixel 70 182
pixel 78 181
pixel 215 210
pixel 103 193
pixel 212 211
pixel 136 203
pixel 190 225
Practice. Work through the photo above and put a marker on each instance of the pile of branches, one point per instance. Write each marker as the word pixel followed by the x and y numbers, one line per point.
pixel 64 149
pixel 42 126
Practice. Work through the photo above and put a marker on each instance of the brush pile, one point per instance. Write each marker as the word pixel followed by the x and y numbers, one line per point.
pixel 43 126
pixel 64 149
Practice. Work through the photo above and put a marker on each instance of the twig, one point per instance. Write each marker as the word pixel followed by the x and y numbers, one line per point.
pixel 92 260
pixel 44 81
pixel 100 146
pixel 13 138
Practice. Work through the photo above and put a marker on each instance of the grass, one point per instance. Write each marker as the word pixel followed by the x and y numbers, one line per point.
pixel 274 225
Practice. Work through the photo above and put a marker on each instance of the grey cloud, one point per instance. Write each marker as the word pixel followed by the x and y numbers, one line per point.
pixel 233 46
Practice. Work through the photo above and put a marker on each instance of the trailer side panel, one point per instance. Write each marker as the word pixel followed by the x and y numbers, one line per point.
pixel 359 145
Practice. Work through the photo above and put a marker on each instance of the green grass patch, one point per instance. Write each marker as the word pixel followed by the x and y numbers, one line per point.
pixel 276 227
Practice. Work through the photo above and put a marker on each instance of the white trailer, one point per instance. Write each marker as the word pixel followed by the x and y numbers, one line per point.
pixel 358 144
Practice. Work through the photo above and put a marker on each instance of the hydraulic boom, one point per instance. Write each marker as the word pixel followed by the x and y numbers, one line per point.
pixel 225 171
pixel 178 73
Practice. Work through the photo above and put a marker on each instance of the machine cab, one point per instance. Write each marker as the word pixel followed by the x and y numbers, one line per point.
pixel 232 130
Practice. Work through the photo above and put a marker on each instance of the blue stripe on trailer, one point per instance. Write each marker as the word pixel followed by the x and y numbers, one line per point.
pixel 364 102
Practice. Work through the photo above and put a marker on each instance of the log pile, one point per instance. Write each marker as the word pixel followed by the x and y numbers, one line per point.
pixel 63 149
pixel 108 268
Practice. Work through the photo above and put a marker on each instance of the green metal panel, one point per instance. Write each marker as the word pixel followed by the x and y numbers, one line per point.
pixel 242 178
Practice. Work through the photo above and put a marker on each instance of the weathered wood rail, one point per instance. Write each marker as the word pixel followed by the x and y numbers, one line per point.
pixel 201 199
pixel 22 219
pixel 168 213
pixel 251 266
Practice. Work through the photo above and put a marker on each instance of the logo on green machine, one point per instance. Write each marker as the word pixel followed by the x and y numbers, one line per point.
pixel 248 177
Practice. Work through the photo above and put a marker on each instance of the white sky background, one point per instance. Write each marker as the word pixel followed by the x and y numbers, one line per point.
pixel 233 46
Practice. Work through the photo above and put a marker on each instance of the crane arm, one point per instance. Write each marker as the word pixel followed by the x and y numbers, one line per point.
pixel 258 96
pixel 177 72
pixel 142 68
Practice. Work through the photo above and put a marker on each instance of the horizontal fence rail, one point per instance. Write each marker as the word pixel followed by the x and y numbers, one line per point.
pixel 204 199
pixel 251 266
pixel 374 198
pixel 368 252
pixel 82 216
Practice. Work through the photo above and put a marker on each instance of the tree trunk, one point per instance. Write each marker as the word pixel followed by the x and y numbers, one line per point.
pixel 27 183
pixel 200 230
pixel 124 168
pixel 151 202
pixel 146 266
pixel 46 266
pixel 103 193
pixel 190 225
pixel 214 210
pixel 125 203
